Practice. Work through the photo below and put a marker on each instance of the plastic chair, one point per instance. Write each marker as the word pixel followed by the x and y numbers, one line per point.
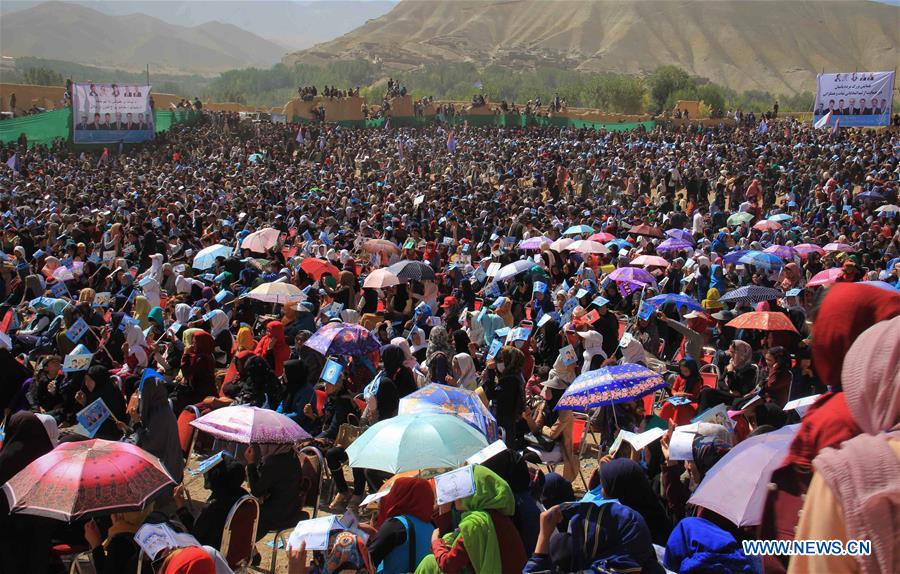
pixel 239 532
pixel 321 397
pixel 710 375
pixel 187 433
pixel 73 554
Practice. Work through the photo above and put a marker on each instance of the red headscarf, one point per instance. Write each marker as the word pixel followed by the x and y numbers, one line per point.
pixel 408 495
pixel 192 560
pixel 847 311
pixel 280 352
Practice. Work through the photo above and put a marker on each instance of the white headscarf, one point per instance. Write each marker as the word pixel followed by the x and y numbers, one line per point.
pixel 466 366
pixel 136 343
pixel 150 288
pixel 182 284
pixel 218 322
pixel 183 313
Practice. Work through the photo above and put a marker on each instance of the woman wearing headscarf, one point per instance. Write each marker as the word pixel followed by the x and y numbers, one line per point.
pixel 777 387
pixel 150 289
pixel 118 552
pixel 403 525
pixel 136 349
pixel 698 545
pixel 257 384
pixel 553 425
pixel 224 482
pixel 511 467
pixel 503 309
pixel 218 328
pixel 24 540
pixel 273 348
pixel 157 322
pixel 99 385
pixel 546 343
pixel 141 310
pixel 462 372
pixel 624 480
pixel 689 385
pixel 737 382
pixel 244 341
pixel 198 369
pixel 504 386
pixel 409 361
pixel 155 428
pixel 556 490
pixel 298 391
pixel 586 537
pixel 438 354
pixel 275 479
pixel 854 487
pixel 712 304
pixel 485 539
pixel 393 363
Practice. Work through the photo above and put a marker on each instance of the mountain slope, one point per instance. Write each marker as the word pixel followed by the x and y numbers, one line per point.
pixel 75 33
pixel 774 46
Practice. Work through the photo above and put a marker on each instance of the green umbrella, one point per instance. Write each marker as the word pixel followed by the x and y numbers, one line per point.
pixel 415 442
pixel 739 218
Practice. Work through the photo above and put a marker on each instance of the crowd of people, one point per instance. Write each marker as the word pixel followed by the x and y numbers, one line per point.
pixel 794 224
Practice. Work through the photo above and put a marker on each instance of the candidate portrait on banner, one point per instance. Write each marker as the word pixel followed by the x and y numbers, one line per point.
pixel 857 98
pixel 111 113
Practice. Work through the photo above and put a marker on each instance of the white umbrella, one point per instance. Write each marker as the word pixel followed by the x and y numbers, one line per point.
pixel 561 244
pixel 380 278
pixel 588 246
pixel 206 257
pixel 513 269
pixel 736 486
pixel 891 208
pixel 277 292
pixel 261 241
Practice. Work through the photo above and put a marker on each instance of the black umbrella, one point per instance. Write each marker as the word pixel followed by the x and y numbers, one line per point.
pixel 751 294
pixel 407 270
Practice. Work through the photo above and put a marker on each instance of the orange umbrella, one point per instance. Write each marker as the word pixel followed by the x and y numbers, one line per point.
pixel 763 321
pixel 315 268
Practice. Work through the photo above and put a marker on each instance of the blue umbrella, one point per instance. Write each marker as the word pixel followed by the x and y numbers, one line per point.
pixel 682 234
pixel 579 230
pixel 870 195
pixel 610 385
pixel 677 298
pixel 761 259
pixel 880 284
pixel 343 339
pixel 621 243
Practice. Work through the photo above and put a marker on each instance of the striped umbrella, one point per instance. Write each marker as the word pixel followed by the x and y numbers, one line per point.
pixel 407 270
pixel 752 294
pixel 610 385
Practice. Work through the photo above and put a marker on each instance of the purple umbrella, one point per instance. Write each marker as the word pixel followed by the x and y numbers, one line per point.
pixel 250 425
pixel 783 251
pixel 534 243
pixel 737 485
pixel 609 385
pixel 840 247
pixel 682 234
pixel 632 275
pixel 343 339
pixel 734 256
pixel 673 244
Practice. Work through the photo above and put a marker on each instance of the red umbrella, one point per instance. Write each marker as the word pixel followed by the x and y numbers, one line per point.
pixel 644 229
pixel 767 225
pixel 602 237
pixel 89 478
pixel 826 277
pixel 315 268
pixel 763 321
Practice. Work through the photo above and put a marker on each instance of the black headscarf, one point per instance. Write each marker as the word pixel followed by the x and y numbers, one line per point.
pixel 392 358
pixel 105 389
pixel 625 480
pixel 26 440
pixel 461 341
pixel 511 467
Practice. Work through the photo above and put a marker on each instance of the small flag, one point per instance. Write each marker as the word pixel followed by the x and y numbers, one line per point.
pixel 451 141
pixel 11 162
pixel 835 127
pixel 479 85
pixel 300 135
pixel 823 121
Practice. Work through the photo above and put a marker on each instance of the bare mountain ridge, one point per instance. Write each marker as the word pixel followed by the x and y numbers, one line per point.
pixel 773 46
pixel 72 32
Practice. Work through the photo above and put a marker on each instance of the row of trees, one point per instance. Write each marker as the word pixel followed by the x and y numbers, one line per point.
pixel 611 92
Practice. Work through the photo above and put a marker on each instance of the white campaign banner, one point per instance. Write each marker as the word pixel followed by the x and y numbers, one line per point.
pixel 107 113
pixel 857 98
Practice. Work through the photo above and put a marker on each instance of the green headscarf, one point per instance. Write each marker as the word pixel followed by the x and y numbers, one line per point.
pixel 476 526
pixel 156 316
pixel 188 336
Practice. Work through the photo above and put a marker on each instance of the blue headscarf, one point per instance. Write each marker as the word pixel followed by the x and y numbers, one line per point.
pixel 717 278
pixel 556 490
pixel 699 546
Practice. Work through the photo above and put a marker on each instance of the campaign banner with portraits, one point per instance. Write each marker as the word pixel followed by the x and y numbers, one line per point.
pixel 857 98
pixel 111 113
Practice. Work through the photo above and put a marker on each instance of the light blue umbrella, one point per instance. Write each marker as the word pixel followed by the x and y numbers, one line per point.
pixel 621 243
pixel 463 403
pixel 255 157
pixel 206 257
pixel 579 230
pixel 416 442
pixel 779 217
pixel 761 259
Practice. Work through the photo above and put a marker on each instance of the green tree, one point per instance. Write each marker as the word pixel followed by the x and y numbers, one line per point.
pixel 665 81
pixel 43 77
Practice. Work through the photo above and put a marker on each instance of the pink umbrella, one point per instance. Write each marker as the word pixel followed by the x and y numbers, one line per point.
pixel 804 249
pixel 737 485
pixel 250 425
pixel 826 277
pixel 587 246
pixel 602 237
pixel 261 241
pixel 88 478
pixel 767 225
pixel 534 243
pixel 380 246
pixel 782 251
pixel 650 261
pixel 835 247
